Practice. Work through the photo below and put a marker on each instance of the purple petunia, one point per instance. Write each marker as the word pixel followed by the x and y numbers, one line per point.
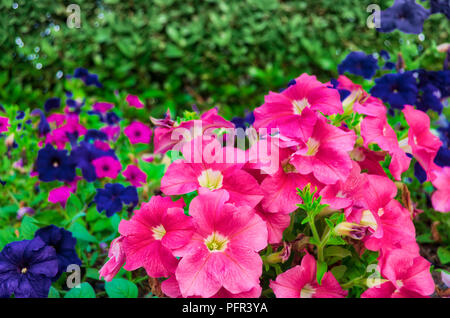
pixel 405 15
pixel 359 63
pixel 113 196
pixel 396 89
pixel 27 269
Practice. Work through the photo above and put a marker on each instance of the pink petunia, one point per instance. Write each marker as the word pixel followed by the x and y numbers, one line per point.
pixel 134 101
pixel 424 145
pixel 153 233
pixel 205 166
pixel 112 132
pixel 4 124
pixel 102 145
pixel 301 282
pixel 326 153
pixel 56 118
pixel 116 260
pixel 293 111
pixel 107 167
pixel 60 195
pixel 223 252
pixel 138 132
pixel 135 176
pixel 102 107
pixel 276 224
pixel 441 197
pixel 408 276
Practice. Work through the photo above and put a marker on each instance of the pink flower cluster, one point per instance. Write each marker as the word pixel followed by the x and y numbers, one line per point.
pixel 212 248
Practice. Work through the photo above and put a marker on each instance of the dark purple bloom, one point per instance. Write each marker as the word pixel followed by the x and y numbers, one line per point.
pixel 385 55
pixel 359 63
pixel 396 89
pixel 52 103
pixel 112 118
pixel 94 134
pixel 430 98
pixel 53 164
pixel 113 196
pixel 20 115
pixel 84 154
pixel 420 173
pixel 244 122
pixel 64 244
pixel 343 93
pixel 389 66
pixel 405 15
pixel 88 78
pixel 440 6
pixel 44 126
pixel 442 158
pixel 27 269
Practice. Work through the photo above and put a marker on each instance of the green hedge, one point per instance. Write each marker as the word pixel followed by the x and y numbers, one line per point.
pixel 175 53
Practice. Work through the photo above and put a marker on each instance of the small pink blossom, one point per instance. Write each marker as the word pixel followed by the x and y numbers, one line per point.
pixel 102 145
pixel 107 167
pixel 153 233
pixel 223 252
pixel 135 176
pixel 138 132
pixel 441 197
pixel 60 195
pixel 134 101
pixel 116 260
pixel 112 132
pixel 4 124
pixel 301 282
pixel 102 107
pixel 276 224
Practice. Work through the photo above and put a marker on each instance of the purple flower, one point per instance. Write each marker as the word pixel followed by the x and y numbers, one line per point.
pixel 88 78
pixel 64 244
pixel 27 269
pixel 396 89
pixel 405 15
pixel 84 154
pixel 359 63
pixel 113 196
pixel 52 103
pixel 53 164
pixel 440 6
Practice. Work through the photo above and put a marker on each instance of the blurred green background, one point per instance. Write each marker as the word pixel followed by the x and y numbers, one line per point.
pixel 175 53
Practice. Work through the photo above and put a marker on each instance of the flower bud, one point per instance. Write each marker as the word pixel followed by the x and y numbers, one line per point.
pixel 352 230
pixel 280 256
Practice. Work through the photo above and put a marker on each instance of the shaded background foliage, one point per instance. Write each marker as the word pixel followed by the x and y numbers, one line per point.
pixel 175 53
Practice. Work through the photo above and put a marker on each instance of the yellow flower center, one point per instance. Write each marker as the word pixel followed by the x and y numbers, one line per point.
pixel 369 220
pixel 300 105
pixel 216 242
pixel 24 270
pixel 307 291
pixel 313 146
pixel 158 232
pixel 211 179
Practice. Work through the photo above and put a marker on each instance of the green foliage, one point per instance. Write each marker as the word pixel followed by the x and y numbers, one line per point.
pixel 121 288
pixel 85 290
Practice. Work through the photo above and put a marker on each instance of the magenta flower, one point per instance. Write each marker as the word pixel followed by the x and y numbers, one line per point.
pixel 424 145
pixel 102 107
pixel 223 251
pixel 202 169
pixel 135 176
pixel 301 282
pixel 4 124
pixel 134 101
pixel 59 195
pixel 116 260
pixel 112 132
pixel 294 110
pixel 153 233
pixel 326 153
pixel 441 197
pixel 107 167
pixel 276 224
pixel 138 132
pixel 408 276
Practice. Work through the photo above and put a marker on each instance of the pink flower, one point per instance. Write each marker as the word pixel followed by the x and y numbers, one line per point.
pixel 171 288
pixel 294 110
pixel 102 107
pixel 102 145
pixel 325 153
pixel 116 260
pixel 223 251
pixel 153 233
pixel 301 282
pixel 424 145
pixel 134 101
pixel 107 167
pixel 408 276
pixel 276 224
pixel 135 176
pixel 441 197
pixel 138 132
pixel 112 132
pixel 369 160
pixel 60 195
pixel 164 133
pixel 56 118
pixel 4 124
pixel 200 168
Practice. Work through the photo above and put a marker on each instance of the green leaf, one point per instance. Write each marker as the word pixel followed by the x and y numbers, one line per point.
pixel 321 270
pixel 121 288
pixel 84 290
pixel 80 232
pixel 28 227
pixel 338 271
pixel 73 206
pixel 337 251
pixel 53 293
pixel 444 255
